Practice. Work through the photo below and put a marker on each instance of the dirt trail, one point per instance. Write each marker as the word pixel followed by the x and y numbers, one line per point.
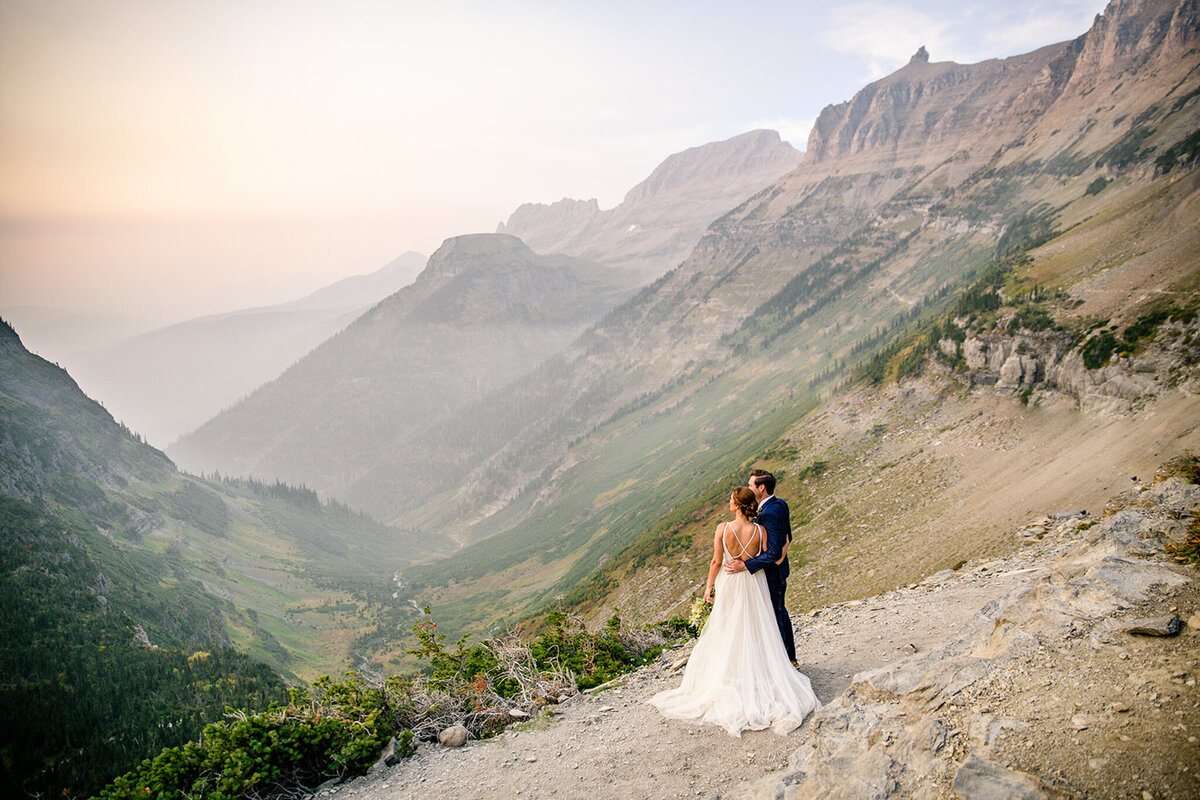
pixel 613 745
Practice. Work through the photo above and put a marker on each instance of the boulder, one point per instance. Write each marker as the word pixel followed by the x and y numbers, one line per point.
pixel 454 736
pixel 1164 625
pixel 980 779
pixel 388 758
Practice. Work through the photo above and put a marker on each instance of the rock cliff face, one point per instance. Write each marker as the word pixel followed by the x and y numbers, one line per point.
pixel 1133 32
pixel 1029 362
pixel 927 112
pixel 548 228
pixel 923 112
pixel 662 217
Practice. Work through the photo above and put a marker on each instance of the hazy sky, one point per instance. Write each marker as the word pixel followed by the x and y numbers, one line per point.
pixel 178 157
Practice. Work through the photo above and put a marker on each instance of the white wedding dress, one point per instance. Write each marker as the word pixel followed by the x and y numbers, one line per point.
pixel 739 676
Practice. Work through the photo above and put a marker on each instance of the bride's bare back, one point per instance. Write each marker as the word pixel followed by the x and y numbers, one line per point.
pixel 741 540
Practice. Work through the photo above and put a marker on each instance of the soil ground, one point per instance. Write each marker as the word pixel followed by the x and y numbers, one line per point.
pixel 1110 722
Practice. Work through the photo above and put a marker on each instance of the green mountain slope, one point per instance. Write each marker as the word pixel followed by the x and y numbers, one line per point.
pixel 92 697
pixel 139 602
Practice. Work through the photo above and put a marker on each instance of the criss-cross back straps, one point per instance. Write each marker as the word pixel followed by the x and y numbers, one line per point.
pixel 744 553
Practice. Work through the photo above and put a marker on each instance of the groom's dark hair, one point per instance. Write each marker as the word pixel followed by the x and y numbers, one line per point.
pixel 764 479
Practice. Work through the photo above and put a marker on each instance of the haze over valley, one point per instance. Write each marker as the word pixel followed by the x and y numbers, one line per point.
pixel 968 307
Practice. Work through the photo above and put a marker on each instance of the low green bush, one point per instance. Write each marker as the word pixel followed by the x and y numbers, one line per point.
pixel 1031 318
pixel 333 731
pixel 1098 350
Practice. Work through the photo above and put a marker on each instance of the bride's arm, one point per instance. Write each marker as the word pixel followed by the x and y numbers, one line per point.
pixel 715 567
pixel 783 553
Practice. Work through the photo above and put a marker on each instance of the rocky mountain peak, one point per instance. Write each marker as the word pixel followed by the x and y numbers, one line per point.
pixel 538 223
pixel 746 151
pixel 460 254
pixel 661 219
pixel 924 114
pixel 1131 33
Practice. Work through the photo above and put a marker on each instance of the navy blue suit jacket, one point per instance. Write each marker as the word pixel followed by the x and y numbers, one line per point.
pixel 776 520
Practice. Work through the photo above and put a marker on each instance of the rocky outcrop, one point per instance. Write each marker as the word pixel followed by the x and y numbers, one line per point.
pixel 1028 361
pixel 546 227
pixel 1133 32
pixel 661 219
pixel 926 110
pixel 945 719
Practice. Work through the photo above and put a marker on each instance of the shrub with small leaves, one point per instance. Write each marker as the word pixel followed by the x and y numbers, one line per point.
pixel 334 731
pixel 1188 551
pixel 1098 350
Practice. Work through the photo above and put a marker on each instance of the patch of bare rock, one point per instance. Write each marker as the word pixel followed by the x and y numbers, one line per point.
pixel 1067 669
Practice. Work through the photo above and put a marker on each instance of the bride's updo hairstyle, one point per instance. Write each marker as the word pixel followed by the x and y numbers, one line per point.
pixel 746 502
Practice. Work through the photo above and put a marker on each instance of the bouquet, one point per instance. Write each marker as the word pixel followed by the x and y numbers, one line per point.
pixel 698 614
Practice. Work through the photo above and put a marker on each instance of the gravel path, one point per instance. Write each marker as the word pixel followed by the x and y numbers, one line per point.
pixel 611 744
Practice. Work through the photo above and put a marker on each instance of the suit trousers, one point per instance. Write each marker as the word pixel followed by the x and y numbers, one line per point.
pixel 777 591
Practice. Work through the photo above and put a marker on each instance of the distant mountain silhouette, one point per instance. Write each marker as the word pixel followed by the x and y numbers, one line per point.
pixel 485 310
pixel 662 218
pixel 168 381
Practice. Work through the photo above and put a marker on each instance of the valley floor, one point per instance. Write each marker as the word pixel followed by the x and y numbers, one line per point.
pixel 1112 715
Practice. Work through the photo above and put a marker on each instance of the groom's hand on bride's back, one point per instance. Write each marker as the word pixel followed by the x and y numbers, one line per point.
pixel 736 566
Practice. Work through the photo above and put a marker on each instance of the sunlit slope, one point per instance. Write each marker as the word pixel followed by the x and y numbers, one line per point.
pixel 892 483
pixel 915 187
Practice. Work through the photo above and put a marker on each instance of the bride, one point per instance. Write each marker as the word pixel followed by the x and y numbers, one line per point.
pixel 739 676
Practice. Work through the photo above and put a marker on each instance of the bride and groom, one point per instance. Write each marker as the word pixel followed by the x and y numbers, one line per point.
pixel 742 672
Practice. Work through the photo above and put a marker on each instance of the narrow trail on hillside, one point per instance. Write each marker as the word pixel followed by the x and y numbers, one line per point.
pixel 612 744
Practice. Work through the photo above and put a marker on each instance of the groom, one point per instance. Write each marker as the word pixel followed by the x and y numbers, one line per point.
pixel 776 520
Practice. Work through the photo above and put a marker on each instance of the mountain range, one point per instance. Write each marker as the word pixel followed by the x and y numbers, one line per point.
pixel 167 381
pixel 1051 188
pixel 486 311
pixel 661 219
pixel 1057 185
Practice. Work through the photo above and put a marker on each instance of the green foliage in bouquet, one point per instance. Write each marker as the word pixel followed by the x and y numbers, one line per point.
pixel 698 614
